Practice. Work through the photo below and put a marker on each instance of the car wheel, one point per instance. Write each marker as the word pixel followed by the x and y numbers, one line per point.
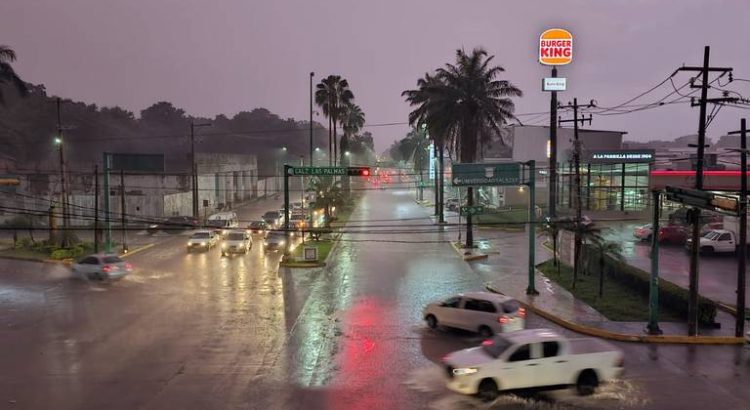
pixel 432 322
pixel 487 390
pixel 485 331
pixel 587 383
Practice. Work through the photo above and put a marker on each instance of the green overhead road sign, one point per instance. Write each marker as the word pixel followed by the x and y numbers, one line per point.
pixel 330 171
pixel 703 199
pixel 486 174
pixel 472 210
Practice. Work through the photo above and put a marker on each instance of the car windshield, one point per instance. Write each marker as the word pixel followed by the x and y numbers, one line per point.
pixel 235 236
pixel 276 236
pixel 713 235
pixel 201 235
pixel 257 224
pixel 495 346
pixel 271 214
pixel 111 259
pixel 217 223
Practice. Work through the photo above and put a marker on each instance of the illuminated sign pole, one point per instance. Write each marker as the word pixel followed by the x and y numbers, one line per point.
pixel 555 48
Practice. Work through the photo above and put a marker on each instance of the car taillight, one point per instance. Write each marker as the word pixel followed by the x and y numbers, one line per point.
pixel 502 319
pixel 106 268
pixel 487 342
pixel 521 312
pixel 128 266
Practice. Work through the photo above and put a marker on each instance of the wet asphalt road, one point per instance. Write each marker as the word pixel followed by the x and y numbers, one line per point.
pixel 203 332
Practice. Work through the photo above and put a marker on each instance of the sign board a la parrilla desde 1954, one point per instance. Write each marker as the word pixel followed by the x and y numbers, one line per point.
pixel 556 47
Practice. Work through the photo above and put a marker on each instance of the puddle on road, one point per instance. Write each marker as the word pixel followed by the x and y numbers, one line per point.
pixel 616 394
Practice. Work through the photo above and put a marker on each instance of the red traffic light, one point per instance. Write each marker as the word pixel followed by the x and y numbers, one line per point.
pixel 359 171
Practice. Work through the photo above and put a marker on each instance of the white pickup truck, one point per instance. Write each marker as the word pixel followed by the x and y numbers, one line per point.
pixel 532 360
pixel 725 240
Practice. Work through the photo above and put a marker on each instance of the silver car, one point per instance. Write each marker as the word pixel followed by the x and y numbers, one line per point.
pixel 102 266
pixel 482 312
pixel 202 240
pixel 236 242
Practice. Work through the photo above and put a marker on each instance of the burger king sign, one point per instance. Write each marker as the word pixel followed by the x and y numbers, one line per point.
pixel 556 47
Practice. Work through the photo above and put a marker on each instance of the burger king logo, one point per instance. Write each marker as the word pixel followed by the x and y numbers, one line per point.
pixel 556 47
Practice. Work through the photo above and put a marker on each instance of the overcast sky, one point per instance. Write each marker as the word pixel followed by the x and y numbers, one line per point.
pixel 223 56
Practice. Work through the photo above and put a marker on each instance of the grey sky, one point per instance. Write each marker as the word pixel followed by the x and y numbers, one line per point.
pixel 224 56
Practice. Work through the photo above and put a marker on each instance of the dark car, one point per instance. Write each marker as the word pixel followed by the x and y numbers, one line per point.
pixel 258 227
pixel 174 224
pixel 272 218
pixel 274 241
pixel 674 234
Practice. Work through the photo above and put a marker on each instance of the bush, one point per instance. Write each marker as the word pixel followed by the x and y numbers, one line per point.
pixel 671 296
pixel 61 254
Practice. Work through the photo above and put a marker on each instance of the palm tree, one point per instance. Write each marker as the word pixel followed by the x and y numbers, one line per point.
pixel 7 75
pixel 466 104
pixel 603 249
pixel 352 121
pixel 331 96
pixel 328 194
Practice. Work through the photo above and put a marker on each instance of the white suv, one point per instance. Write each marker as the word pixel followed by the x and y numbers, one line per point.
pixel 482 312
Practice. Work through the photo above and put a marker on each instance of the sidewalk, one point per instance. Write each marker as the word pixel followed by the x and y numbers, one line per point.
pixel 506 271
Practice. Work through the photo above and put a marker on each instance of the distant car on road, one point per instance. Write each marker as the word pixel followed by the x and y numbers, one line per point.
pixel 272 218
pixel 482 312
pixel 236 242
pixel 672 233
pixel 223 222
pixel 258 228
pixel 102 266
pixel 274 241
pixel 532 360
pixel 173 224
pixel 202 240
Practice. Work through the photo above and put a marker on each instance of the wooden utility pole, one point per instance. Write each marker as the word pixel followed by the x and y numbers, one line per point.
pixel 695 212
pixel 577 202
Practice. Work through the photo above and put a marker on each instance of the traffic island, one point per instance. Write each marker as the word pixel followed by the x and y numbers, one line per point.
pixel 308 255
pixel 468 254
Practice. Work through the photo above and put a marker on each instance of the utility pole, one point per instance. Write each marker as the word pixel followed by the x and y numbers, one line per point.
pixel 739 329
pixel 312 74
pixel 194 167
pixel 695 212
pixel 553 150
pixel 96 208
pixel 653 291
pixel 122 212
pixel 577 161
pixel 63 190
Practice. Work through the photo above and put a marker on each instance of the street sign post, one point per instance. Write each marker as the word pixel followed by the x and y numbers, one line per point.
pixel 704 200
pixel 477 174
pixel 330 171
pixel 472 210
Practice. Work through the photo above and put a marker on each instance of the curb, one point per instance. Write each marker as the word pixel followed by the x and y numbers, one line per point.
pixel 136 250
pixel 468 258
pixel 302 264
pixel 624 337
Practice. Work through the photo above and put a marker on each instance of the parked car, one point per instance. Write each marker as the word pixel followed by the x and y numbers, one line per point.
pixel 102 266
pixel 483 312
pixel 258 228
pixel 532 360
pixel 236 242
pixel 274 241
pixel 202 240
pixel 672 233
pixel 717 241
pixel 173 224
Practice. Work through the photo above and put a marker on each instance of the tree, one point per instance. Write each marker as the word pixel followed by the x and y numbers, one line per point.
pixel 328 194
pixel 331 95
pixel 164 114
pixel 605 249
pixel 7 75
pixel 465 104
pixel 352 120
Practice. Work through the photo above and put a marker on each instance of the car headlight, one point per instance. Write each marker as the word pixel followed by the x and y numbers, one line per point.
pixel 223 246
pixel 281 243
pixel 463 371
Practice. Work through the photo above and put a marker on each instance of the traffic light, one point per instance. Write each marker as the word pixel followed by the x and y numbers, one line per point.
pixel 359 171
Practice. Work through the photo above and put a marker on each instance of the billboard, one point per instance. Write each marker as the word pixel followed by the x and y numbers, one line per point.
pixel 556 47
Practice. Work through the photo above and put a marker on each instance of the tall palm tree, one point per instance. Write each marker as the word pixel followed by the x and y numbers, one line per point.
pixel 468 105
pixel 328 194
pixel 352 121
pixel 331 96
pixel 7 75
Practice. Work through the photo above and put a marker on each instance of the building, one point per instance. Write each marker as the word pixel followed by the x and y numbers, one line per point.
pixel 224 180
pixel 612 178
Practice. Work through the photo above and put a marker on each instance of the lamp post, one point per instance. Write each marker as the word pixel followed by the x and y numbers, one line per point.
pixel 194 168
pixel 63 193
pixel 312 74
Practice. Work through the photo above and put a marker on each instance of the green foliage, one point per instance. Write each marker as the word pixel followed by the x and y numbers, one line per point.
pixel 638 281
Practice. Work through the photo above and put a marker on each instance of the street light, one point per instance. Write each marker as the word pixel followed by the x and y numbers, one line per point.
pixel 58 140
pixel 193 165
